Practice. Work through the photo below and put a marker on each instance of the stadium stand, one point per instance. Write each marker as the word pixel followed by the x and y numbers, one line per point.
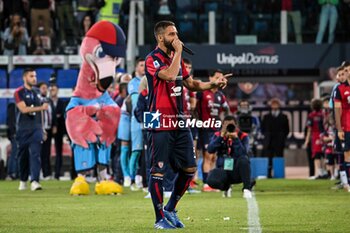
pixel 43 74
pixel 15 79
pixel 67 78
pixel 3 79
pixel 3 101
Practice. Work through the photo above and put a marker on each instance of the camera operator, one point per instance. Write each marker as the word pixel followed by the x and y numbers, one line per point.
pixel 249 124
pixel 15 37
pixel 233 166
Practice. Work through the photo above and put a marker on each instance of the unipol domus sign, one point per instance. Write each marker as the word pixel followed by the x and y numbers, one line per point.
pixel 264 56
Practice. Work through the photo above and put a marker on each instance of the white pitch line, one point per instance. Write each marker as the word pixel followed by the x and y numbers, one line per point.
pixel 253 215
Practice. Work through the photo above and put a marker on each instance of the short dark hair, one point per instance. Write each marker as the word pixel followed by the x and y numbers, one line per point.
pixel 316 104
pixel 345 64
pixel 27 70
pixel 340 68
pixel 212 72
pixel 41 84
pixel 275 101
pixel 123 86
pixel 325 98
pixel 54 85
pixel 243 101
pixel 187 61
pixel 138 60
pixel 161 26
pixel 229 118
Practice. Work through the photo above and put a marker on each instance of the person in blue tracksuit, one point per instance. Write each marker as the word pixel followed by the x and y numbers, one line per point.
pixel 29 134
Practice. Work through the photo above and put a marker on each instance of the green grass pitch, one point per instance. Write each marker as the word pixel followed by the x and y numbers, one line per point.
pixel 284 206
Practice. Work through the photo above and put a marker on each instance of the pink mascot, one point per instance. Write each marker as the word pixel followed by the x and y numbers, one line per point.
pixel 92 116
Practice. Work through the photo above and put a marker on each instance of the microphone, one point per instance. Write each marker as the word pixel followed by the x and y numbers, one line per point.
pixel 187 50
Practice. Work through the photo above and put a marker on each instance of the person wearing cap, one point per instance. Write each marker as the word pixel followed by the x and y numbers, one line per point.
pixel 92 116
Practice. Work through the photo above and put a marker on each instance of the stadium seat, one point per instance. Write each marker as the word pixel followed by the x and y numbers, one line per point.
pixel 44 74
pixel 3 79
pixel 67 78
pixel 3 110
pixel 258 167
pixel 15 79
pixel 278 167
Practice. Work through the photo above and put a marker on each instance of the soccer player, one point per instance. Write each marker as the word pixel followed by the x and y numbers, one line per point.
pixel 210 104
pixel 170 145
pixel 135 126
pixel 29 135
pixel 338 150
pixel 315 128
pixel 342 119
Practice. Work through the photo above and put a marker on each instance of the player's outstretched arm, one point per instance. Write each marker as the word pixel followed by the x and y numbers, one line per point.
pixel 196 85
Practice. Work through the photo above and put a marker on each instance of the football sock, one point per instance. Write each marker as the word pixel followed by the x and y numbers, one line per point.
pixel 133 163
pixel 181 184
pixel 347 169
pixel 341 161
pixel 124 160
pixel 156 190
pixel 205 175
pixel 343 178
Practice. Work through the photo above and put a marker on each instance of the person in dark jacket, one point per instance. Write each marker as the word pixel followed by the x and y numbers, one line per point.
pixel 233 166
pixel 275 128
pixel 59 106
pixel 12 162
pixel 49 122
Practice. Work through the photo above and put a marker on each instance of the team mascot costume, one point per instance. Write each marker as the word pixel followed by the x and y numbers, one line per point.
pixel 92 117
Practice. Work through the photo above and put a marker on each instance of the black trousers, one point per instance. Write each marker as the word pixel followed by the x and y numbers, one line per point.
pixel 46 154
pixel 310 160
pixel 115 162
pixel 222 179
pixel 58 147
pixel 271 152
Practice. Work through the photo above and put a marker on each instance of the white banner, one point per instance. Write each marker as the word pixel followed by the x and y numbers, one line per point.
pixel 42 59
pixel 8 93
pixel 4 60
pixel 74 59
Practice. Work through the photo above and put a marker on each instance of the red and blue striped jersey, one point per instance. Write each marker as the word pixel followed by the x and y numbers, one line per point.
pixel 164 96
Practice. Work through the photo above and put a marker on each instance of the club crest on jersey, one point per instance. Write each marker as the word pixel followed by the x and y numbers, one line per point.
pixel 160 164
pixel 156 64
pixel 176 91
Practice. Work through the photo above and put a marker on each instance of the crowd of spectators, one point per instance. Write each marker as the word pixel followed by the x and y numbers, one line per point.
pixel 50 26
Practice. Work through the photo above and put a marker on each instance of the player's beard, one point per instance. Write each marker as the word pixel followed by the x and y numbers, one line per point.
pixel 31 83
pixel 168 45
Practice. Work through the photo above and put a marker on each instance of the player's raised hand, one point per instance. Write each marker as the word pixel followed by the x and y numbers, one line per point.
pixel 177 45
pixel 222 81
